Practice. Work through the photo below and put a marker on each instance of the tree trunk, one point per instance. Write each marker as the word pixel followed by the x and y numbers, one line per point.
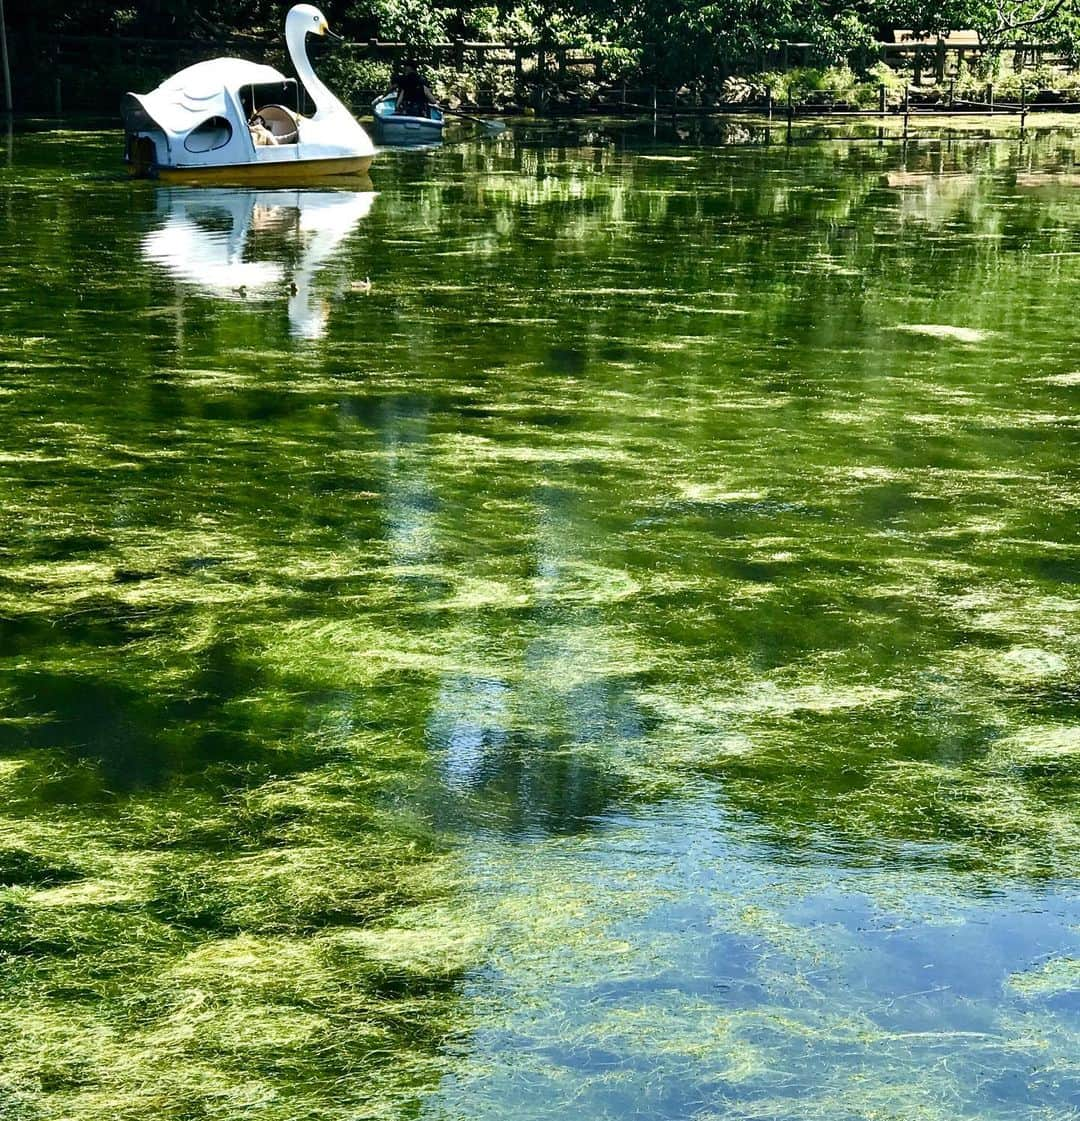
pixel 5 64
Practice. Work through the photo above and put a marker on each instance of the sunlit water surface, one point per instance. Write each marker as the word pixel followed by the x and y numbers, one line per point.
pixel 581 625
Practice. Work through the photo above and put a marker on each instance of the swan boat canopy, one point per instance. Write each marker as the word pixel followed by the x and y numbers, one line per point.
pixel 199 125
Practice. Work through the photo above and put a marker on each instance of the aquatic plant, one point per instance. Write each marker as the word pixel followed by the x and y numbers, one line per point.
pixel 627 663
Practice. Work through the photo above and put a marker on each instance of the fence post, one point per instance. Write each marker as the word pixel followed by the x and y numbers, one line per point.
pixel 881 99
pixel 519 69
pixel 459 54
pixel 768 101
pixel 939 65
pixel 990 96
pixel 917 77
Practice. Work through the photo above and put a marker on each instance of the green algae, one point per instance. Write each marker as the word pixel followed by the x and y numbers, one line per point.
pixel 1057 976
pixel 626 667
pixel 200 960
pixel 654 1041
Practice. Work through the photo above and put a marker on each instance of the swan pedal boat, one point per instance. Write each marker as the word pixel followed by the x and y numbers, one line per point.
pixel 194 127
pixel 401 128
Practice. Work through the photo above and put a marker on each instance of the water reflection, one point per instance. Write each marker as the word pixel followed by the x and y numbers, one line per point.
pixel 405 144
pixel 242 244
pixel 629 673
pixel 534 749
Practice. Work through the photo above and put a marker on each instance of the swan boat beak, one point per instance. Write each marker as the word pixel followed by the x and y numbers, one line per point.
pixel 323 28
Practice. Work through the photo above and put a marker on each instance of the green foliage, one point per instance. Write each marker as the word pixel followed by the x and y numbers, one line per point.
pixel 355 80
pixel 488 85
pixel 618 61
pixel 881 74
pixel 1010 84
pixel 410 21
pixel 837 84
pixel 665 42
pixel 1009 21
pixel 841 36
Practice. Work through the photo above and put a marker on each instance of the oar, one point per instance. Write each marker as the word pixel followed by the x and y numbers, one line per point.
pixel 490 126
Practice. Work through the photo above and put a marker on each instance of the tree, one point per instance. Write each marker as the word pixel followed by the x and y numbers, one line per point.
pixel 1002 21
pixel 5 65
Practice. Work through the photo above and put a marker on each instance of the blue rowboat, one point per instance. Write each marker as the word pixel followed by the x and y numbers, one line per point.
pixel 399 128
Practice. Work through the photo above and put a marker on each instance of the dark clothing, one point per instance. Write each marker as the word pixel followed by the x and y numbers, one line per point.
pixel 412 98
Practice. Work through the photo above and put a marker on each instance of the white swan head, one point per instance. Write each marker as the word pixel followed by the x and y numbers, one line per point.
pixel 332 126
pixel 307 19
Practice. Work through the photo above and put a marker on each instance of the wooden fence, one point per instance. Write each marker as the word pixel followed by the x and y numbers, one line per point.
pixel 938 58
pixel 553 60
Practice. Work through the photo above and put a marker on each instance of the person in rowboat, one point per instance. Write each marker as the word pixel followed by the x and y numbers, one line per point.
pixel 414 96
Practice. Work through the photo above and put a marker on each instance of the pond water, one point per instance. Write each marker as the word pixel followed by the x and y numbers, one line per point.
pixel 579 625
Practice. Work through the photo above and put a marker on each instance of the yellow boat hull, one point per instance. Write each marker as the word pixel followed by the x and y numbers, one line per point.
pixel 280 173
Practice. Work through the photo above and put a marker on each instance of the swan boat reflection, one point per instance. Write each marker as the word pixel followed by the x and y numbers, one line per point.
pixel 246 244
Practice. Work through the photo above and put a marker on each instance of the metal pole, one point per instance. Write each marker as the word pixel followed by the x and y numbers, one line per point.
pixel 5 63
